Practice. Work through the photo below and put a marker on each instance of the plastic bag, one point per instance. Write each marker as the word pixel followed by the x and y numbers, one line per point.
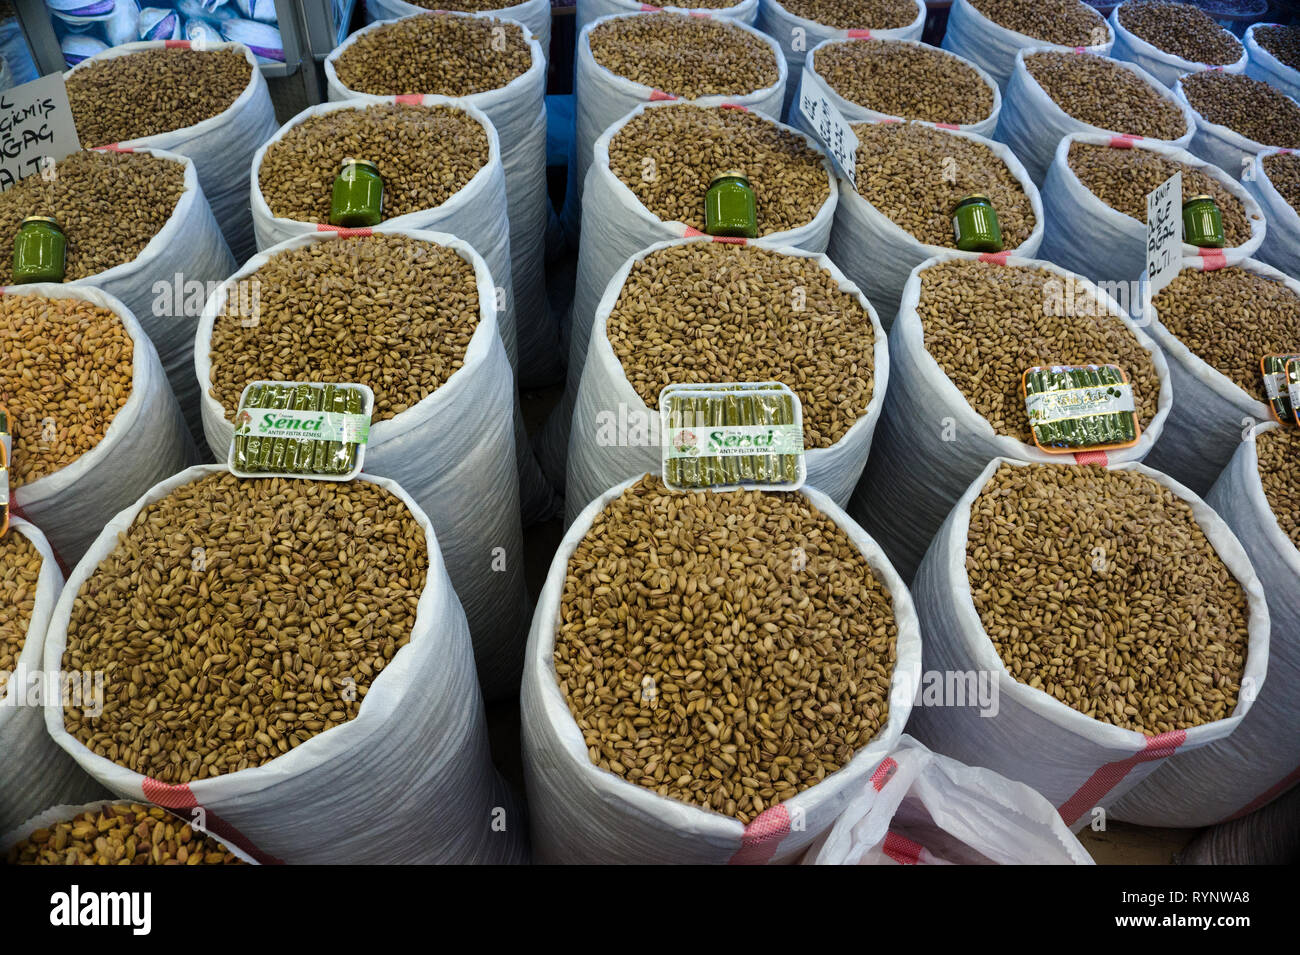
pixel 220 146
pixel 1227 149
pixel 1078 763
pixel 409 780
pixel 921 808
pixel 453 452
pixel 37 773
pixel 1163 66
pixel 799 35
pixel 1261 759
pixel 595 466
pixel 1281 246
pixel 879 255
pixel 616 227
pixel 974 36
pixel 930 443
pixel 518 111
pixel 145 442
pixel 1263 65
pixel 1212 414
pixel 583 814
pixel 535 15
pixel 1089 237
pixel 855 113
pixel 1032 124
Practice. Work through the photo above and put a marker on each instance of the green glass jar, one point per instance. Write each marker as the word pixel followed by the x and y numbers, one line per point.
pixel 729 207
pixel 1203 223
pixel 975 225
pixel 358 198
pixel 40 251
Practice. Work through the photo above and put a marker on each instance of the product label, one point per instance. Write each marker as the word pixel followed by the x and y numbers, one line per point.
pixel 318 425
pixel 735 440
pixel 1046 407
pixel 1073 408
pixel 36 129
pixel 830 126
pixel 1293 387
pixel 1274 370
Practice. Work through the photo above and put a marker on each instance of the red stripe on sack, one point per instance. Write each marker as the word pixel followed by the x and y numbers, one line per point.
pixel 646 8
pixel 1213 69
pixel 730 239
pixel 1092 457
pixel 1212 259
pixel 182 797
pixel 946 126
pixel 114 148
pixel 997 258
pixel 884 773
pixel 743 109
pixel 700 14
pixel 1267 796
pixel 1080 49
pixel 890 119
pixel 902 849
pixel 1110 775
pixel 859 34
pixel 691 232
pixel 344 233
pixel 409 99
pixel 762 836
pixel 657 95
pixel 1123 141
pixel 176 44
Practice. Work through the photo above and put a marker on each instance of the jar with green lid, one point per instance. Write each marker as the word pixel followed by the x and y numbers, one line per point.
pixel 975 225
pixel 729 206
pixel 40 251
pixel 358 198
pixel 1203 223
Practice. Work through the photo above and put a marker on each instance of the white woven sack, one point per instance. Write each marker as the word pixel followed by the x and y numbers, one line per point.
pixel 1163 66
pixel 220 146
pixel 36 772
pixel 1261 759
pixel 1281 247
pixel 535 15
pixel 518 111
pixel 879 255
pixel 617 226
pixel 587 11
pixel 477 213
pixel 1089 237
pixel 975 37
pixel 1263 65
pixel 583 814
pixel 1078 763
pixel 1229 150
pixel 453 452
pixel 1211 414
pixel 65 813
pixel 1033 125
pixel 414 760
pixel 856 113
pixel 603 97
pixel 145 442
pixel 930 443
pixel 595 466
pixel 799 35
pixel 922 808
pixel 187 253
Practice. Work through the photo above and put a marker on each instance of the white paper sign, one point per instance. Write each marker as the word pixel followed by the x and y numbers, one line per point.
pixel 1164 233
pixel 830 127
pixel 36 129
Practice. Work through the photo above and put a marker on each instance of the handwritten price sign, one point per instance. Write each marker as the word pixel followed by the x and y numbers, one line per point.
pixel 829 125
pixel 36 128
pixel 1164 233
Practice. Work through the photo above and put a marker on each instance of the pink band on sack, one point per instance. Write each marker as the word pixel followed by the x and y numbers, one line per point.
pixel 1123 141
pixel 762 836
pixel 344 233
pixel 995 258
pixel 409 99
pixel 743 109
pixel 1213 69
pixel 859 34
pixel 114 148
pixel 1092 457
pixel 1110 775
pixel 647 8
pixel 657 95
pixel 884 773
pixel 176 44
pixel 700 14
pixel 691 232
pixel 1080 49
pixel 946 126
pixel 1212 259
pixel 902 849
pixel 182 797
pixel 1267 796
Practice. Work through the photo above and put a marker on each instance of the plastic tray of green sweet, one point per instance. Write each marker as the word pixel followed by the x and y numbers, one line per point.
pixel 301 429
